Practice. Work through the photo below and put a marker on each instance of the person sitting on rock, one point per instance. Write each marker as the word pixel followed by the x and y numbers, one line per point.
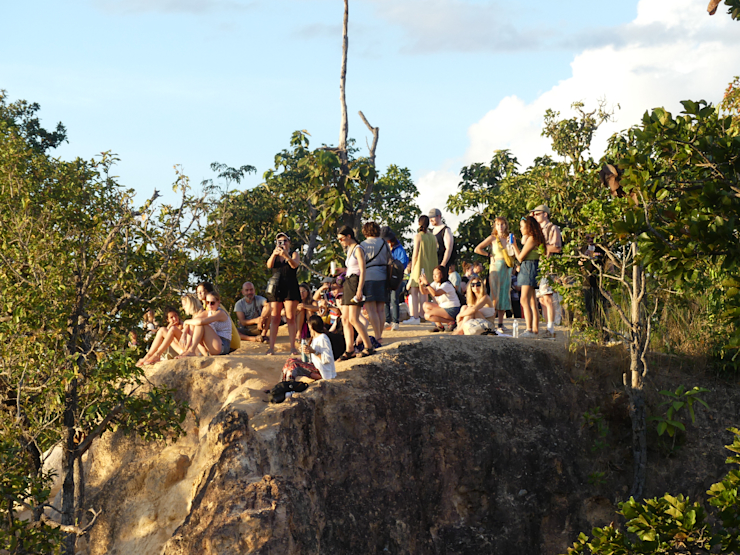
pixel 479 305
pixel 165 337
pixel 321 365
pixel 253 314
pixel 447 305
pixel 212 332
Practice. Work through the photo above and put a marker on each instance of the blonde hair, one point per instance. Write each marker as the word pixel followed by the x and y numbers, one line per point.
pixel 191 305
pixel 495 233
pixel 470 297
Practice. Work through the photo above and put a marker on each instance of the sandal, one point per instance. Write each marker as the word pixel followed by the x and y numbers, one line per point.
pixel 436 329
pixel 346 356
pixel 270 352
pixel 366 352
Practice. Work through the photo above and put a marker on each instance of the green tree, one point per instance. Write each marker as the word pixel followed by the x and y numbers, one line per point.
pixel 674 524
pixel 78 267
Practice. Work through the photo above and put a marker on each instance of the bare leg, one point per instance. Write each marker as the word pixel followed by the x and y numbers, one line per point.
pixel 291 307
pixel 169 338
pixel 354 318
pixel 415 304
pixel 276 308
pixel 375 321
pixel 349 332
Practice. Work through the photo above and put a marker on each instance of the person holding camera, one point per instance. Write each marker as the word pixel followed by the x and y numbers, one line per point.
pixel 282 290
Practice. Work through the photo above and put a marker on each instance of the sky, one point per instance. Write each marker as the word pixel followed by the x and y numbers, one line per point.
pixel 447 82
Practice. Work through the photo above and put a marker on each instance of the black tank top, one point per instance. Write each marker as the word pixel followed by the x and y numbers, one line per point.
pixel 440 236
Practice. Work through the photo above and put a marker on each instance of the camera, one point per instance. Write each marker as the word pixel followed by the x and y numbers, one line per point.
pixel 280 243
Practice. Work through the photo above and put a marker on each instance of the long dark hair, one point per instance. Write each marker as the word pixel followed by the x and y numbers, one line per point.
pixel 423 223
pixel 534 229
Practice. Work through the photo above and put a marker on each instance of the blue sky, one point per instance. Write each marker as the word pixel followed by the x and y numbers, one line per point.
pixel 164 82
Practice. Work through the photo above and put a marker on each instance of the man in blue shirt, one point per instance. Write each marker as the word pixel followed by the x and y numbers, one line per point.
pixel 393 298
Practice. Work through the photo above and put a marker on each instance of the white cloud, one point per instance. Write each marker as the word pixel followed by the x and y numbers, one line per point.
pixel 434 188
pixel 457 26
pixel 173 6
pixel 637 76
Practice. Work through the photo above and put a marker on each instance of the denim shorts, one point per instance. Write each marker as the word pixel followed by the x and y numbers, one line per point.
pixel 528 273
pixel 374 291
pixel 225 345
pixel 453 312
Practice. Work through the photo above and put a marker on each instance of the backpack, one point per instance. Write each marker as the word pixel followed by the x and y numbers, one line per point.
pixel 277 394
pixel 395 274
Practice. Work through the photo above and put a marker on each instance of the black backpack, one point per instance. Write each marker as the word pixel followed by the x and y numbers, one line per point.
pixel 395 274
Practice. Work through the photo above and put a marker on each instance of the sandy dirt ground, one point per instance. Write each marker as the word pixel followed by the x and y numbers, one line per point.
pixel 251 355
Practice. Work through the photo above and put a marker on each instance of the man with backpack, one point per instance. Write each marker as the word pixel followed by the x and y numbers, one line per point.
pixel 393 296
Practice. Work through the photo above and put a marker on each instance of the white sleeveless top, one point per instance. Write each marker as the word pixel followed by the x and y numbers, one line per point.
pixel 222 329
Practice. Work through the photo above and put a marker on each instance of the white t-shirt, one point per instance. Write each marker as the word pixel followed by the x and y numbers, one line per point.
pixel 323 358
pixel 449 299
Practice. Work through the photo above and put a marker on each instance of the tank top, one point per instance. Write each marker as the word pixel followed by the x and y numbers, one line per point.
pixel 534 254
pixel 496 250
pixel 281 269
pixel 222 329
pixel 351 263
pixel 440 236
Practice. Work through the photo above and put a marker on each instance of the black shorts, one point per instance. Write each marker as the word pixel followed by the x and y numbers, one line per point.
pixel 287 290
pixel 349 290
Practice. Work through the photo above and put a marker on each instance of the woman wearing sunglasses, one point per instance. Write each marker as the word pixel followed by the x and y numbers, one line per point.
pixel 211 329
pixel 479 304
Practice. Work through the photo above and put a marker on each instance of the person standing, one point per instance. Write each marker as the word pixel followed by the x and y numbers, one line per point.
pixel 253 315
pixel 352 297
pixel 283 289
pixel 553 246
pixel 501 263
pixel 393 298
pixel 529 261
pixel 377 255
pixel 443 236
pixel 423 261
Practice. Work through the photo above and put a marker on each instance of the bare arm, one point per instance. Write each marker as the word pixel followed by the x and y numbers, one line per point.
pixel 360 256
pixel 449 243
pixel 415 256
pixel 483 245
pixel 528 247
pixel 220 316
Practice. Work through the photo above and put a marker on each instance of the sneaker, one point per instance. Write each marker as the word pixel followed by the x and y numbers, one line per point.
pixel 528 335
pixel 452 327
pixel 413 322
pixel 501 329
pixel 395 326
pixel 547 334
pixel 388 325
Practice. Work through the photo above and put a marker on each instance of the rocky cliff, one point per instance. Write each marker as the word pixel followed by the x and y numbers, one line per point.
pixel 453 445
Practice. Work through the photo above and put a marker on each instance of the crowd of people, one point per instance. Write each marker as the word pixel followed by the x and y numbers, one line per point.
pixel 346 316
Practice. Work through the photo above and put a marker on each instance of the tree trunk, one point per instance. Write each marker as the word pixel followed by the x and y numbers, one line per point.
pixel 68 466
pixel 634 383
pixel 343 128
pixel 344 125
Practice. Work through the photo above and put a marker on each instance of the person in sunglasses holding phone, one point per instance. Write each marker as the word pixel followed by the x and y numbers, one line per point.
pixel 211 328
pixel 282 290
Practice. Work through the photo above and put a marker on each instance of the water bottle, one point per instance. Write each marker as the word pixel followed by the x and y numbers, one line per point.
pixel 304 355
pixel 516 328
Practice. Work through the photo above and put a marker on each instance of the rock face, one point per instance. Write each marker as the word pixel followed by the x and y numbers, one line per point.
pixel 456 445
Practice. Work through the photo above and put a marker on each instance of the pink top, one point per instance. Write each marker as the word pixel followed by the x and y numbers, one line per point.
pixel 352 264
